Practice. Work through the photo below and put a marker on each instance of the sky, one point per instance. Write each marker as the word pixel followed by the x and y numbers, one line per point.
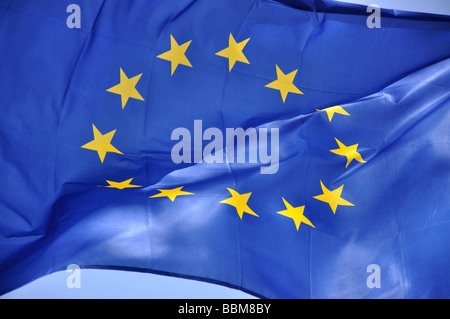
pixel 105 284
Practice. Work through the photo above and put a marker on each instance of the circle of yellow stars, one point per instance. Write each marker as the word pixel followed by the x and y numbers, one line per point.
pixel 284 84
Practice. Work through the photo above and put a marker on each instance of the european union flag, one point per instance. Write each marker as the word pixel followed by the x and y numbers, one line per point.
pixel 290 149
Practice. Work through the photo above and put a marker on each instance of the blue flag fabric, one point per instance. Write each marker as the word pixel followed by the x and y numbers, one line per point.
pixel 290 149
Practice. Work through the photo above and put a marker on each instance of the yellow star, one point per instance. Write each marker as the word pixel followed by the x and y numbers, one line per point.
pixel 349 152
pixel 177 54
pixel 121 185
pixel 171 193
pixel 334 109
pixel 101 143
pixel 239 202
pixel 284 83
pixel 296 213
pixel 234 52
pixel 333 198
pixel 126 88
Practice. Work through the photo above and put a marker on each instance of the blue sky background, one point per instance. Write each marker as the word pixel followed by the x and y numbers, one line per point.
pixel 121 284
